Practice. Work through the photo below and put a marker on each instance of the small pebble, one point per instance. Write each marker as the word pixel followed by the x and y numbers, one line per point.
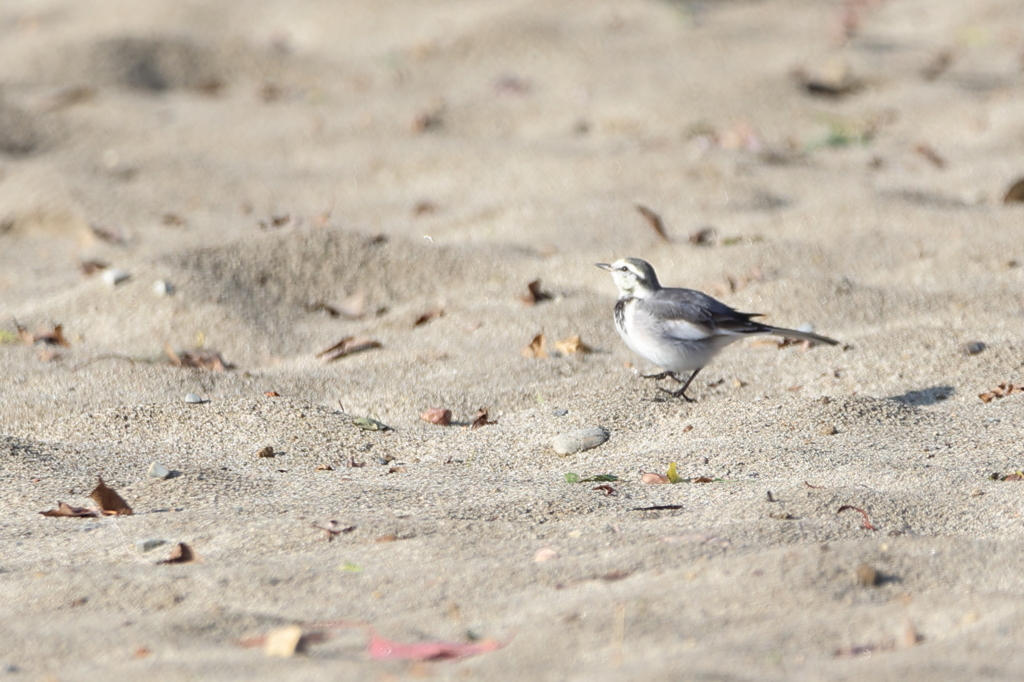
pixel 146 545
pixel 162 287
pixel 157 470
pixel 560 412
pixel 194 399
pixel 578 441
pixel 114 276
pixel 828 430
pixel 972 348
pixel 265 452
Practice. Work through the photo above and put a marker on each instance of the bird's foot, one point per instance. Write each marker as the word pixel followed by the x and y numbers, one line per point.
pixel 681 393
pixel 663 375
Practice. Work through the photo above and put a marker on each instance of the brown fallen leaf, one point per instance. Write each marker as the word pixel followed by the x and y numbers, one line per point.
pixel 571 345
pixel 200 358
pixel 106 234
pixel 606 489
pixel 397 469
pixel 534 294
pixel 703 479
pixel 431 118
pixel 277 221
pixel 91 267
pixel 652 478
pixel 428 316
pixel 424 207
pixel 323 467
pixel 181 553
pixel 1001 391
pixel 1015 193
pixel 390 537
pixel 347 346
pixel 65 509
pixel 267 451
pixel 437 415
pixel 654 220
pixel 383 649
pixel 536 348
pixel 53 337
pixel 109 501
pixel 173 220
pixel 481 419
pixel 272 394
pixel 705 236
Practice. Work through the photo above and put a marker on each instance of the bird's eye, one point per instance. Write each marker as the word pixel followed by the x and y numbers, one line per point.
pixel 624 269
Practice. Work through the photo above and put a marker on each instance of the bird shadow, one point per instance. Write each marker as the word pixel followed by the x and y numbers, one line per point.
pixel 926 396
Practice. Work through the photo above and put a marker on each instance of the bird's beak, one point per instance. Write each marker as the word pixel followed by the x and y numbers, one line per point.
pixel 603 266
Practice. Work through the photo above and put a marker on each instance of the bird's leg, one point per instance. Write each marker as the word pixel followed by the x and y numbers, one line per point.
pixel 663 375
pixel 681 393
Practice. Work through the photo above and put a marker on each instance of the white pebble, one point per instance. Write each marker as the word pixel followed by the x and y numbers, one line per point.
pixel 162 287
pixel 157 470
pixel 146 545
pixel 194 399
pixel 114 276
pixel 578 441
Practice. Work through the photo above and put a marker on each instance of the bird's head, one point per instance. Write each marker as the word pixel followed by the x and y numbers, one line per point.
pixel 634 277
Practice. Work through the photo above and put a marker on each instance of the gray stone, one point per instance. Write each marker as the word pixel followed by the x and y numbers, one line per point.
pixel 194 399
pixel 146 545
pixel 578 441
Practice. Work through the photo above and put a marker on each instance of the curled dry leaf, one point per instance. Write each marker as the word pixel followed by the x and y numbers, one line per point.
pixel 654 220
pixel 481 418
pixel 534 294
pixel 428 316
pixel 272 394
pixel 64 509
pixel 53 337
pixel 437 415
pixel 1001 391
pixel 181 554
pixel 652 478
pixel 347 346
pixel 383 649
pixel 536 348
pixel 109 501
pixel 867 522
pixel 571 345
pixel 200 358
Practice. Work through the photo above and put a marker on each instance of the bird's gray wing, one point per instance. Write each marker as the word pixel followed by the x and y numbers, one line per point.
pixel 689 314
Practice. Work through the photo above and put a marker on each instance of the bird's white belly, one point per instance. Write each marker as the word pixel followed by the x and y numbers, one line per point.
pixel 648 339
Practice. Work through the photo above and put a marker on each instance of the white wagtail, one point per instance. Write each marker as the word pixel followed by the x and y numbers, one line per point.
pixel 679 330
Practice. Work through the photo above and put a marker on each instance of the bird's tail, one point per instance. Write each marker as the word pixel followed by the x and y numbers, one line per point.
pixel 803 336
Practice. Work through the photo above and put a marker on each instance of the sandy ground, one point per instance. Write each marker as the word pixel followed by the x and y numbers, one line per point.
pixel 271 158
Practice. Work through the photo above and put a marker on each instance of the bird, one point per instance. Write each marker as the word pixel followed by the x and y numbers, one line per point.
pixel 680 330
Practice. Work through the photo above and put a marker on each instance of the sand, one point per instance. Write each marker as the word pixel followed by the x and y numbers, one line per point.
pixel 401 160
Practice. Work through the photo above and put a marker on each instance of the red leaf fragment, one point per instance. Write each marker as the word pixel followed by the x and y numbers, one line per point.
pixel 654 220
pixel 867 521
pixel 347 346
pixel 272 394
pixel 109 501
pixel 65 509
pixel 607 489
pixel 652 478
pixel 380 649
pixel 437 415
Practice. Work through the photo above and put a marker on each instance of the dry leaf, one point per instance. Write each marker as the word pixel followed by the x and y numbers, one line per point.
pixel 267 451
pixel 654 220
pixel 64 509
pixel 933 156
pixel 283 642
pixel 652 478
pixel 323 467
pixel 428 316
pixel 277 221
pixel 571 345
pixel 333 528
pixel 424 207
pixel 109 501
pixel 867 522
pixel 397 469
pixel 107 235
pixel 173 220
pixel 1001 391
pixel 54 337
pixel 481 419
pixel 1015 193
pixel 272 394
pixel 705 236
pixel 534 294
pixel 437 415
pixel 390 537
pixel 347 346
pixel 383 649
pixel 200 358
pixel 429 119
pixel 536 348
pixel 181 554
pixel 91 267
